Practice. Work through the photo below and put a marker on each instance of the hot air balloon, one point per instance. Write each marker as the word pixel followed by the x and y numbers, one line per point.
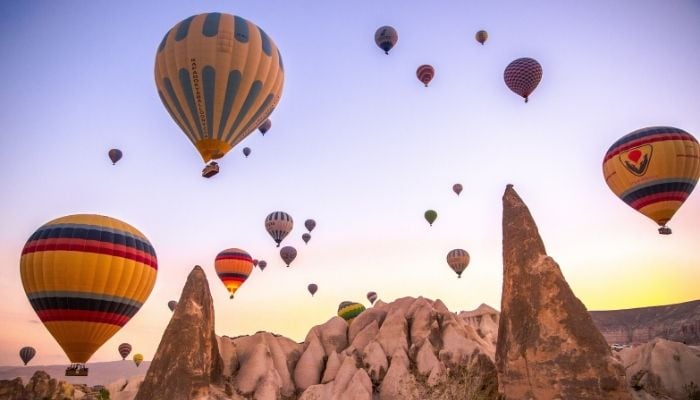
pixel 278 225
pixel 246 151
pixel 430 216
pixel 313 288
pixel 348 310
pixel 458 260
pixel 233 266
pixel 425 74
pixel 124 350
pixel 288 254
pixel 255 262
pixel 265 126
pixel 386 38
pixel 86 276
pixel 654 170
pixel 306 237
pixel 26 354
pixel 522 76
pixel 138 358
pixel 115 155
pixel 481 36
pixel 219 76
pixel 262 264
pixel 372 297
pixel 310 224
pixel 172 304
pixel 457 188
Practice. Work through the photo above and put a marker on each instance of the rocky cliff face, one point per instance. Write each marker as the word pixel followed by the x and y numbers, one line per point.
pixel 548 346
pixel 42 387
pixel 677 322
pixel 187 360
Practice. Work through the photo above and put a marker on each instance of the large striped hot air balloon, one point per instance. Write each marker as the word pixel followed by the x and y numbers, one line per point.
pixel 522 76
pixel 124 350
pixel 425 74
pixel 349 310
pixel 386 38
pixel 654 170
pixel 233 266
pixel 219 76
pixel 26 354
pixel 278 225
pixel 458 260
pixel 86 276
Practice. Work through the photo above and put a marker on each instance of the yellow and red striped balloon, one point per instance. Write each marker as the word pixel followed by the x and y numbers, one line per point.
pixel 219 76
pixel 653 170
pixel 233 266
pixel 86 276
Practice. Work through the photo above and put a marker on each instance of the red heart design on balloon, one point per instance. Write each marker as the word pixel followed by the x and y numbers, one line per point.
pixel 634 155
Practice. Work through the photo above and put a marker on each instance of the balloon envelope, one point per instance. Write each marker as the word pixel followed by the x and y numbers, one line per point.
pixel 124 350
pixel 386 38
pixel 458 260
pixel 312 288
pixel 26 354
pixel 288 254
pixel 246 151
pixel 430 216
pixel 306 237
pixel 138 358
pixel 522 76
pixel 262 264
pixel 86 276
pixel 219 76
pixel 233 266
pixel 481 36
pixel 653 170
pixel 310 224
pixel 278 224
pixel 425 74
pixel 172 304
pixel 457 188
pixel 115 155
pixel 372 297
pixel 265 126
pixel 348 310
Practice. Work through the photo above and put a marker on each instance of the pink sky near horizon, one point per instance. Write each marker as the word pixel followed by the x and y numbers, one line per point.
pixel 359 145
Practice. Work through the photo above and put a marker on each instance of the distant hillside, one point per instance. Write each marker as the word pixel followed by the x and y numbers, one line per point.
pixel 677 322
pixel 101 373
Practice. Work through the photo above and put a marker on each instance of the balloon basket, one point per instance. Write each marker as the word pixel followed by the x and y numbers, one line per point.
pixel 665 230
pixel 210 170
pixel 77 370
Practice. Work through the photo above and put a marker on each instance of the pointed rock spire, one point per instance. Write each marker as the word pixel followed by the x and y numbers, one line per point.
pixel 187 360
pixel 548 346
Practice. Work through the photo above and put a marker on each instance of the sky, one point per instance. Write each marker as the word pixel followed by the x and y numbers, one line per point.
pixel 358 144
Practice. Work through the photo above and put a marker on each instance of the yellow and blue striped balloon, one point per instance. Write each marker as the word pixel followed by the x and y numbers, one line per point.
pixel 86 276
pixel 219 76
pixel 653 170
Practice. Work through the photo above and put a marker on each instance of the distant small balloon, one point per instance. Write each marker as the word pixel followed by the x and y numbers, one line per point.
pixel 372 297
pixel 255 262
pixel 288 254
pixel 430 216
pixel 458 260
pixel 425 74
pixel 262 264
pixel 349 310
pixel 522 76
pixel 306 237
pixel 457 188
pixel 386 38
pixel 481 36
pixel 115 155
pixel 172 304
pixel 138 359
pixel 265 126
pixel 246 151
pixel 310 224
pixel 312 288
pixel 26 354
pixel 124 350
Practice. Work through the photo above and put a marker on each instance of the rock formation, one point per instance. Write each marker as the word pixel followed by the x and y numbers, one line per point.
pixel 548 346
pixel 677 322
pixel 187 360
pixel 661 369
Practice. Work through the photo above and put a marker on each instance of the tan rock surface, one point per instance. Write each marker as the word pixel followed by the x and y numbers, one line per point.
pixel 548 346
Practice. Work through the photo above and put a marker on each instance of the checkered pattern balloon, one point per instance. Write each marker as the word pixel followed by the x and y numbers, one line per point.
pixel 522 76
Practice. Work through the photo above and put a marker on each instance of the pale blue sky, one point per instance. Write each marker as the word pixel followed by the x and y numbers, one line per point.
pixel 358 144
